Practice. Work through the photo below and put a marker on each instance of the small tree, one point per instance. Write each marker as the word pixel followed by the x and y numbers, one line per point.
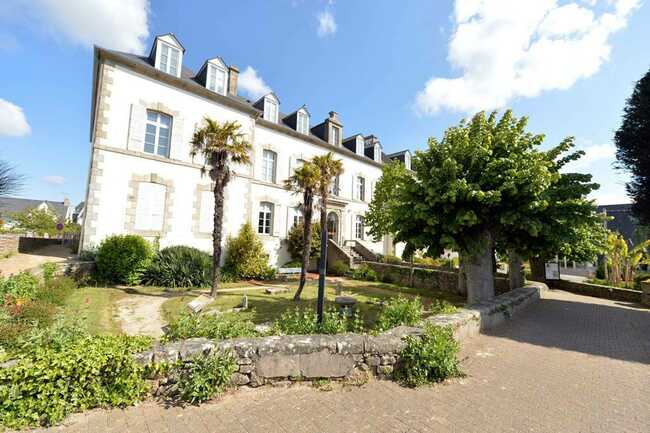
pixel 39 221
pixel 328 169
pixel 304 180
pixel 220 145
pixel 296 241
pixel 245 255
pixel 633 147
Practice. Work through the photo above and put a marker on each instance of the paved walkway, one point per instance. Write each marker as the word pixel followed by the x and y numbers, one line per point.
pixel 22 261
pixel 568 364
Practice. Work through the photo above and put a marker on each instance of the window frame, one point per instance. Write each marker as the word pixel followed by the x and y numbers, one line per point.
pixel 360 190
pixel 302 127
pixel 359 227
pixel 265 216
pixel 212 78
pixel 268 102
pixel 162 188
pixel 274 168
pixel 335 135
pixel 158 125
pixel 167 65
pixel 335 186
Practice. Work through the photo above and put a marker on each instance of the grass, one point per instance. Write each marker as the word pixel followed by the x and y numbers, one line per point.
pixel 97 306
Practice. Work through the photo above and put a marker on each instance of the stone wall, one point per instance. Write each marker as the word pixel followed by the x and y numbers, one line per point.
pixel 596 290
pixel 75 269
pixel 8 244
pixel 645 295
pixel 265 360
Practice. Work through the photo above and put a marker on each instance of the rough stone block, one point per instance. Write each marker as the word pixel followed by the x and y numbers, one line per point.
pixel 239 379
pixel 278 365
pixel 246 368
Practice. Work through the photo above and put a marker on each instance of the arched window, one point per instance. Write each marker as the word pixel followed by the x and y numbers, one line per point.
pixel 265 221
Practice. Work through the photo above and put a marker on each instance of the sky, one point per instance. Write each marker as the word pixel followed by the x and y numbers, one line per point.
pixel 403 71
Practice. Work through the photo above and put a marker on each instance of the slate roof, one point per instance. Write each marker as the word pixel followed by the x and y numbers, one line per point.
pixel 9 205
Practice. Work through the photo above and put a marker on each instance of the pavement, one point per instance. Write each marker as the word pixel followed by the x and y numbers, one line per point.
pixel 569 363
pixel 25 261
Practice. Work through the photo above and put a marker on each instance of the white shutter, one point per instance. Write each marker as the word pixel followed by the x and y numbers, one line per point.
pixel 277 219
pixel 150 209
pixel 206 217
pixel 137 126
pixel 176 150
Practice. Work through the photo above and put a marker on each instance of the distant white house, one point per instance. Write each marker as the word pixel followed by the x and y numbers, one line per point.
pixel 61 210
pixel 143 180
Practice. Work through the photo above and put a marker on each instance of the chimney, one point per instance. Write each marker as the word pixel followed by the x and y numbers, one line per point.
pixel 233 74
pixel 334 117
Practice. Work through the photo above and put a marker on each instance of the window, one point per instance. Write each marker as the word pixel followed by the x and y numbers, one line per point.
pixel 298 218
pixel 359 227
pixel 157 134
pixel 360 145
pixel 169 59
pixel 335 135
pixel 206 216
pixel 334 187
pixel 361 188
pixel 269 159
pixel 270 110
pixel 150 208
pixel 303 122
pixel 407 160
pixel 216 79
pixel 377 153
pixel 265 222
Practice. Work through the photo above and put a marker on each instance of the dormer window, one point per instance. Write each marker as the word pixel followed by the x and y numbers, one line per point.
pixel 169 59
pixel 407 160
pixel 335 135
pixel 302 124
pixel 360 145
pixel 216 79
pixel 270 110
pixel 167 54
pixel 377 153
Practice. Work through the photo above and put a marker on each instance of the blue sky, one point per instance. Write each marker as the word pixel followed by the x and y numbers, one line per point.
pixel 403 73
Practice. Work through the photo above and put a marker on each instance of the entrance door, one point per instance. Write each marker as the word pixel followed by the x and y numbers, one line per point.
pixel 333 226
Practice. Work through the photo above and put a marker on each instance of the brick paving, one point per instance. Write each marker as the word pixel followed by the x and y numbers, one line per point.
pixel 568 364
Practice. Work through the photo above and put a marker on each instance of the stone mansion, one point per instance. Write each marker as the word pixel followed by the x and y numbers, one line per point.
pixel 142 179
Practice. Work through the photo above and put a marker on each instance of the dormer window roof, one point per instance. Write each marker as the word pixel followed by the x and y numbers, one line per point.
pixel 355 143
pixel 373 148
pixel 404 157
pixel 302 121
pixel 167 54
pixel 214 75
pixel 270 106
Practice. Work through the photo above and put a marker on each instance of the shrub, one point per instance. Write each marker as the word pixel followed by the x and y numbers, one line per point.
pixel 49 269
pixel 339 268
pixel 430 358
pixel 123 258
pixel 204 377
pixel 443 307
pixel 84 373
pixel 398 311
pixel 179 266
pixel 36 312
pixel 88 255
pixel 392 259
pixel 245 256
pixel 22 286
pixel 365 273
pixel 295 242
pixel 293 264
pixel 189 325
pixel 304 322
pixel 56 290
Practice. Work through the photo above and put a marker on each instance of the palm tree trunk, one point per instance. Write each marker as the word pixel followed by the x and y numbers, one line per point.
pixel 308 199
pixel 217 233
pixel 322 267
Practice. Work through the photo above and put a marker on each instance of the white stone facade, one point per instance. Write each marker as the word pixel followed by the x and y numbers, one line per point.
pixel 175 206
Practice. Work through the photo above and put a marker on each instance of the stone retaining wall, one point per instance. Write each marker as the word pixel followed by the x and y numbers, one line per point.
pixel 8 244
pixel 597 290
pixel 345 356
pixel 645 293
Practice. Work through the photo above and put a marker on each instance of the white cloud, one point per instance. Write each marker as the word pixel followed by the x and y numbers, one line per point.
pixel 326 24
pixel 117 24
pixel 12 120
pixel 54 180
pixel 506 49
pixel 252 84
pixel 593 153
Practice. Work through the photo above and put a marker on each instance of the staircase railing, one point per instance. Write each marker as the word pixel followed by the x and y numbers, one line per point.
pixel 336 253
pixel 365 252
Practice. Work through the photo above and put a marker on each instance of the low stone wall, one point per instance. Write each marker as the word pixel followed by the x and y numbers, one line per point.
pixel 596 290
pixel 645 293
pixel 265 360
pixel 434 278
pixel 8 244
pixel 75 269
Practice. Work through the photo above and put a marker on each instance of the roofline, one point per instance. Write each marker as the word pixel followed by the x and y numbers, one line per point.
pixel 102 54
pixel 401 152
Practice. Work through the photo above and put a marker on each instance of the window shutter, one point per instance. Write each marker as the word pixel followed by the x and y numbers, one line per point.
pixel 158 207
pixel 150 209
pixel 176 151
pixel 206 217
pixel 277 217
pixel 137 125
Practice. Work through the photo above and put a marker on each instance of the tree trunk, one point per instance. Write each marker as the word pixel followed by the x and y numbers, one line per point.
pixel 538 269
pixel 516 277
pixel 308 199
pixel 462 277
pixel 217 232
pixel 322 266
pixel 478 270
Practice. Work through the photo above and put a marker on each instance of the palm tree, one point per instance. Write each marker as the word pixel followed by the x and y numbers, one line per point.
pixel 220 144
pixel 304 179
pixel 328 169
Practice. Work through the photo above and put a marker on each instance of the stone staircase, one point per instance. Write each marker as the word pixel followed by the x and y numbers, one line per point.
pixel 352 252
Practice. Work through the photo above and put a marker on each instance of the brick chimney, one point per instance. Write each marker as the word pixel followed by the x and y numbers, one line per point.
pixel 233 74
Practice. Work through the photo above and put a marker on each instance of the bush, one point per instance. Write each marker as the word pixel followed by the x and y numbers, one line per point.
pixel 430 358
pixel 84 373
pixel 36 312
pixel 392 259
pixel 204 377
pixel 88 255
pixel 56 290
pixel 304 322
pixel 179 266
pixel 399 311
pixel 295 243
pixel 339 268
pixel 293 264
pixel 21 286
pixel 123 258
pixel 49 269
pixel 443 307
pixel 364 273
pixel 246 258
pixel 189 325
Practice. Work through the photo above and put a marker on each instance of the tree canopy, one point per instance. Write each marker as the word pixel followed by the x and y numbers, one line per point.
pixel 633 147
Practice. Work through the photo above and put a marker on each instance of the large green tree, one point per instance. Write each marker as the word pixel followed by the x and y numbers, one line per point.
pixel 220 145
pixel 482 181
pixel 35 220
pixel 633 147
